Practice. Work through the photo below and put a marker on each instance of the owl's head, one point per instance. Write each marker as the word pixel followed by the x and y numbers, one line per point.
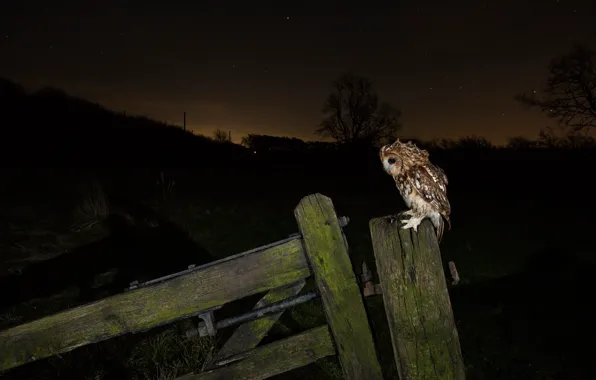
pixel 399 157
pixel 392 159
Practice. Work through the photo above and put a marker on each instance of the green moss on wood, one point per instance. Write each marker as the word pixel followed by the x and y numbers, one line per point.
pixel 147 307
pixel 327 252
pixel 416 300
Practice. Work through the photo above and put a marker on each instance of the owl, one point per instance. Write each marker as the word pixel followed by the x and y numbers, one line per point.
pixel 422 185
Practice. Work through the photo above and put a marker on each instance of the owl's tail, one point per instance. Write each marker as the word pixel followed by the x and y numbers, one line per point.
pixel 441 227
pixel 448 221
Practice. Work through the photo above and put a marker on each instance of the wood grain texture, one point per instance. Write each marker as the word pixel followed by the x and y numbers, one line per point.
pixel 274 358
pixel 334 276
pixel 209 286
pixel 423 332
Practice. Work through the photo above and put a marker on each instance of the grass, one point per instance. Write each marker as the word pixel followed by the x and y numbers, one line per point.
pixel 93 208
pixel 508 322
pixel 167 355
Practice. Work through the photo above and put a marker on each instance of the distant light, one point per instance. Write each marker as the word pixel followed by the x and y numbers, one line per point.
pixel 254 151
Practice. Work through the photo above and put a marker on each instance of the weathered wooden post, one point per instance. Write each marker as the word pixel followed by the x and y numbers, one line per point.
pixel 334 276
pixel 423 333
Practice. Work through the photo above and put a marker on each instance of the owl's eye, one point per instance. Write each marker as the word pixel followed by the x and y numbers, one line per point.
pixel 391 161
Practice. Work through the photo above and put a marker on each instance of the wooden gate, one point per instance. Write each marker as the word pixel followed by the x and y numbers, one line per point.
pixel 412 283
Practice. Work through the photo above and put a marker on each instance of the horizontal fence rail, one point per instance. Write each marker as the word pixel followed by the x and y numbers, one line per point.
pixel 274 358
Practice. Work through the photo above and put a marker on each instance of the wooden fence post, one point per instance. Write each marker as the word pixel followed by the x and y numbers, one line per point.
pixel 423 333
pixel 334 276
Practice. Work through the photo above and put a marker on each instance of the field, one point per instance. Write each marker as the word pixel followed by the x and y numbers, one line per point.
pixel 521 237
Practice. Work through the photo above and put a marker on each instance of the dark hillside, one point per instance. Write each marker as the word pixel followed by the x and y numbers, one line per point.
pixel 50 128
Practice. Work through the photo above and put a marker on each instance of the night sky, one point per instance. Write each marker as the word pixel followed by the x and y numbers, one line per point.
pixel 453 67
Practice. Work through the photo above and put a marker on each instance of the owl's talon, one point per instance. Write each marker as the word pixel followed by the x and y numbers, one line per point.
pixel 412 223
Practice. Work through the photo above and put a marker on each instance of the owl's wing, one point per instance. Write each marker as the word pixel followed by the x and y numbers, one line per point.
pixel 431 184
pixel 439 172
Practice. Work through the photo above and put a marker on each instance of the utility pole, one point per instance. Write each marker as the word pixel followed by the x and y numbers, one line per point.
pixel 184 121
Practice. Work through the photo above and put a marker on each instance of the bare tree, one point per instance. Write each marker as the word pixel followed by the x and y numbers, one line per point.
pixel 570 92
pixel 564 138
pixel 354 114
pixel 220 135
